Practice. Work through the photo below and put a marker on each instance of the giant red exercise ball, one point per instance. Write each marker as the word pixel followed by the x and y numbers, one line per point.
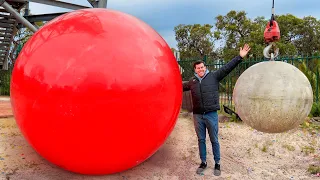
pixel 96 91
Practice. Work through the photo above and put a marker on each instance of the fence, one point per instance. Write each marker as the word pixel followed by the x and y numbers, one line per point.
pixel 309 65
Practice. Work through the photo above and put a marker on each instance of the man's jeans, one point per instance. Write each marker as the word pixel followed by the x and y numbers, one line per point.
pixel 210 121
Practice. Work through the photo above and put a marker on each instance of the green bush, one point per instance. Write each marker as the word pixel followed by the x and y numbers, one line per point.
pixel 315 110
pixel 5 82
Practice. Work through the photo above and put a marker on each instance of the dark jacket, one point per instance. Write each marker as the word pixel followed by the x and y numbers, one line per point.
pixel 205 94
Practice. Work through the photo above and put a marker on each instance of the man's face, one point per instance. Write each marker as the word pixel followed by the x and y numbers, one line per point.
pixel 200 69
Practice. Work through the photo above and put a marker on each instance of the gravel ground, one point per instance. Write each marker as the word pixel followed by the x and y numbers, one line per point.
pixel 245 154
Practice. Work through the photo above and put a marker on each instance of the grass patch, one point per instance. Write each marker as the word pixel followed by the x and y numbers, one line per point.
pixel 310 126
pixel 264 148
pixel 266 145
pixel 313 169
pixel 308 150
pixel 289 147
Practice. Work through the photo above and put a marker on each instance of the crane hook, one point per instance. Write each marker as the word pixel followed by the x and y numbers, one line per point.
pixel 271 52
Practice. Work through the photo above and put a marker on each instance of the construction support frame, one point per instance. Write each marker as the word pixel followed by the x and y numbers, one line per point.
pixel 28 21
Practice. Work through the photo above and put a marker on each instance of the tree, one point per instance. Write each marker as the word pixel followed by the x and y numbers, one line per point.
pixel 289 25
pixel 234 30
pixel 173 49
pixel 194 40
pixel 308 41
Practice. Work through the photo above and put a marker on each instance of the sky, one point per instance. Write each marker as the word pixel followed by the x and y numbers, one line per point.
pixel 164 15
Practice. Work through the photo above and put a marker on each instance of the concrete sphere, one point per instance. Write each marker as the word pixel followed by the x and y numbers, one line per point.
pixel 273 96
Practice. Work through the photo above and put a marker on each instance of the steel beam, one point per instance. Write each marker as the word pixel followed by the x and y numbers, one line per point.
pixel 60 4
pixel 98 3
pixel 42 17
pixel 102 4
pixel 6 25
pixel 93 3
pixel 20 18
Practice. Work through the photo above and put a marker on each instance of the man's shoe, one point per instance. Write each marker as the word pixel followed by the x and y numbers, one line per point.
pixel 217 171
pixel 201 168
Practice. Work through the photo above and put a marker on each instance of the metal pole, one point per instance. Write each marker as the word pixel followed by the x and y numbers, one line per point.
pixel 102 4
pixel 5 65
pixel 93 3
pixel 20 18
pixel 26 10
pixel 60 4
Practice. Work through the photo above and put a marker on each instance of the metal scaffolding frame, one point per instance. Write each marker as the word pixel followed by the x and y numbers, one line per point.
pixel 26 20
pixel 11 19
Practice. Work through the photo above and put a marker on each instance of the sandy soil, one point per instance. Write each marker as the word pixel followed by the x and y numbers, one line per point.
pixel 5 107
pixel 245 154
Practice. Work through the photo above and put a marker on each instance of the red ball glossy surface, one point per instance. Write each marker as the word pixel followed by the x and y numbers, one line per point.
pixel 96 91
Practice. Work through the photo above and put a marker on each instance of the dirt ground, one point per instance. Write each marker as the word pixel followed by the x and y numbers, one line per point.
pixel 245 154
pixel 5 107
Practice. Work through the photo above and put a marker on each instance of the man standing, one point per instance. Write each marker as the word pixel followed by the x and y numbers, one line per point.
pixel 204 88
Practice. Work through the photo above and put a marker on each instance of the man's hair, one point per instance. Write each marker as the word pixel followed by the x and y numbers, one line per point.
pixel 198 62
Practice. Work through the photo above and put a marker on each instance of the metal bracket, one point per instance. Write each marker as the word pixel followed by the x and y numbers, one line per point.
pixel 268 53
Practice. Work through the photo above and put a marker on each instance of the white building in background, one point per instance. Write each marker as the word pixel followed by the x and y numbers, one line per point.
pixel 177 56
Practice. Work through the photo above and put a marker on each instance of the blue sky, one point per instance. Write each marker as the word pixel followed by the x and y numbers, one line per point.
pixel 164 15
